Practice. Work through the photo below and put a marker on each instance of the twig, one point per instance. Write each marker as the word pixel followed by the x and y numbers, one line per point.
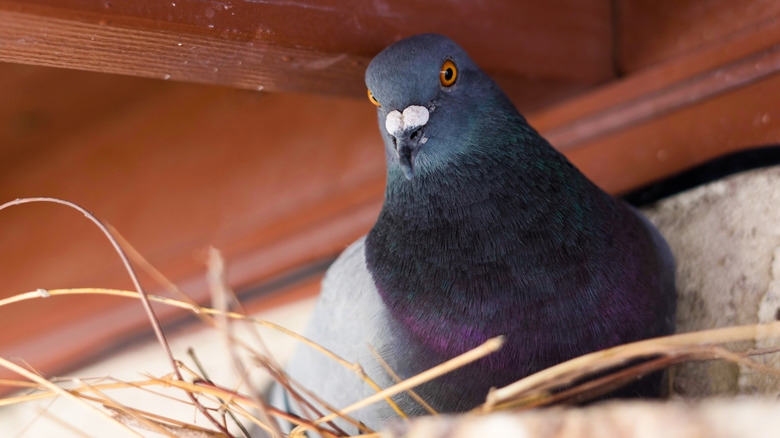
pixel 19 383
pixel 41 293
pixel 218 392
pixel 291 382
pixel 131 272
pixel 490 346
pixel 202 370
pixel 186 431
pixel 155 273
pixel 140 421
pixel 674 345
pixel 397 379
pixel 269 363
pixel 219 292
pixel 59 391
pixel 43 395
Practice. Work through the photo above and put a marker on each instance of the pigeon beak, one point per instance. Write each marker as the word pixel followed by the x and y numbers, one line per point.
pixel 405 158
pixel 405 128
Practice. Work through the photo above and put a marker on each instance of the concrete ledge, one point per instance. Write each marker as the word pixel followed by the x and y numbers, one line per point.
pixel 725 237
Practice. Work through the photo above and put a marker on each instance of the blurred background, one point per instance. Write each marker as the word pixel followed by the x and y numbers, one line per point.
pixel 244 126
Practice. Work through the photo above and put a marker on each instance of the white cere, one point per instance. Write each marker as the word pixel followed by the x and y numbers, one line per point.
pixel 414 116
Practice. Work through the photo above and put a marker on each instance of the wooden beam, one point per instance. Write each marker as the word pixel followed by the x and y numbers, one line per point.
pixel 628 124
pixel 699 64
pixel 649 32
pixel 315 46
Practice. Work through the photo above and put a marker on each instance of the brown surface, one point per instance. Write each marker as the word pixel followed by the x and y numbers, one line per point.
pixel 670 117
pixel 208 166
pixel 669 143
pixel 318 46
pixel 651 31
pixel 280 181
pixel 706 70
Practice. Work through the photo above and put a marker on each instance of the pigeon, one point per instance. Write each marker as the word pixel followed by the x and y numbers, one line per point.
pixel 486 230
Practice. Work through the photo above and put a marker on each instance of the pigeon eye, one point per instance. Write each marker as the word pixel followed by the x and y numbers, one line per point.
pixel 373 99
pixel 448 73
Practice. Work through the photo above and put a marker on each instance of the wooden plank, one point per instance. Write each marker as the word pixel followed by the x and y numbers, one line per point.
pixel 649 32
pixel 675 96
pixel 660 146
pixel 697 65
pixel 40 106
pixel 316 46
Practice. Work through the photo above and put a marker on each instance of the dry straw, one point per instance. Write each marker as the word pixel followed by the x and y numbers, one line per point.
pixel 566 382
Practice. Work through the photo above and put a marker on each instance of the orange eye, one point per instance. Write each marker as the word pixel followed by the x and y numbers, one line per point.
pixel 448 73
pixel 372 98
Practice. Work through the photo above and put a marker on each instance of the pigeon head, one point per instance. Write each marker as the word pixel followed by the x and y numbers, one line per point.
pixel 429 96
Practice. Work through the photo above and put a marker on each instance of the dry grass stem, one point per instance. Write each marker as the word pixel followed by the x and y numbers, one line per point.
pixel 175 303
pixel 488 347
pixel 180 431
pixel 153 321
pixel 220 295
pixel 158 276
pixel 18 383
pixel 84 389
pixel 202 371
pixel 193 308
pixel 60 391
pixel 108 402
pixel 390 372
pixel 328 407
pixel 681 345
